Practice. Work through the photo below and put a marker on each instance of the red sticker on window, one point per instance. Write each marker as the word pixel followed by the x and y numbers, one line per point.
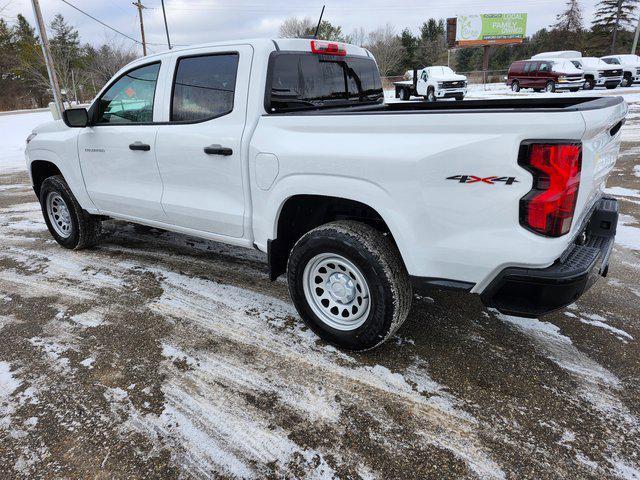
pixel 130 92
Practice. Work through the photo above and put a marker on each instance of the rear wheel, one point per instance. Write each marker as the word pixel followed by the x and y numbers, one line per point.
pixel 515 86
pixel 431 95
pixel 589 84
pixel 404 94
pixel 68 223
pixel 349 284
pixel 550 87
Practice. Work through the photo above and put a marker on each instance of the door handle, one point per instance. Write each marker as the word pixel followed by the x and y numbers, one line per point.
pixel 140 146
pixel 218 150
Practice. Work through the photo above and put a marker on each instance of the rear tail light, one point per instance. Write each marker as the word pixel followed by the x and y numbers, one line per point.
pixel 549 207
pixel 328 48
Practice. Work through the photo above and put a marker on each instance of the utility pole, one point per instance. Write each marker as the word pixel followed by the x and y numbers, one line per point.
pixel 166 27
pixel 144 43
pixel 615 29
pixel 48 59
pixel 635 39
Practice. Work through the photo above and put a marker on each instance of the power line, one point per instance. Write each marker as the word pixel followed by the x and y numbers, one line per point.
pixel 101 22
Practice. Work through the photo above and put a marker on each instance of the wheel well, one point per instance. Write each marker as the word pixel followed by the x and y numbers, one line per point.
pixel 302 213
pixel 41 170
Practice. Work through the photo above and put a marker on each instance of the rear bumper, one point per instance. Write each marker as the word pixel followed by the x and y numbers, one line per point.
pixel 532 292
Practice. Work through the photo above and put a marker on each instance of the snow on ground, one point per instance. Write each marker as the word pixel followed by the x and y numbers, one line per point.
pixel 14 130
pixel 163 353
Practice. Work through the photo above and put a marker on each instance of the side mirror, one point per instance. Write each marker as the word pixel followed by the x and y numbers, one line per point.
pixel 76 117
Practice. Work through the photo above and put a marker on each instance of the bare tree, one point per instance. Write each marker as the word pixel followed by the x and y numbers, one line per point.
pixel 357 37
pixel 294 27
pixel 386 47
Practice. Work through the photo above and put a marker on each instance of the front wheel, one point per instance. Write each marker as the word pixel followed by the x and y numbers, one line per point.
pixel 627 81
pixel 515 86
pixel 589 84
pixel 431 95
pixel 70 225
pixel 550 87
pixel 349 284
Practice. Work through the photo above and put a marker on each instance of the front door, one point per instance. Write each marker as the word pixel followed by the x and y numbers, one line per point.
pixel 117 152
pixel 199 150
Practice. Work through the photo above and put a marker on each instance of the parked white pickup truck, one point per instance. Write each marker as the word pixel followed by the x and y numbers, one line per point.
pixel 287 146
pixel 630 65
pixel 433 83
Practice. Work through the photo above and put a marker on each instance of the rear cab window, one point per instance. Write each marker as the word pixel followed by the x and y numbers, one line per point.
pixel 308 81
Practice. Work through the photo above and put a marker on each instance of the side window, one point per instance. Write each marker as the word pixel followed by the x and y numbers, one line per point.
pixel 424 75
pixel 527 67
pixel 544 67
pixel 130 99
pixel 203 87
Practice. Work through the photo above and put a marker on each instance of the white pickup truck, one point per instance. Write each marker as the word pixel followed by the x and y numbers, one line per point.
pixel 287 146
pixel 433 83
pixel 630 65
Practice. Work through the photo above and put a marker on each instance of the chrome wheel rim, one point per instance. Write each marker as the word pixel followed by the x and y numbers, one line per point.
pixel 336 291
pixel 549 87
pixel 58 214
pixel 514 87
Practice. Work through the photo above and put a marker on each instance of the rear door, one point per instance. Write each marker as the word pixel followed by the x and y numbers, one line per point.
pixel 117 152
pixel 199 149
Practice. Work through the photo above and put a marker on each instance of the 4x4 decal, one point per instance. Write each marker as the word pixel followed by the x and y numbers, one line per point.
pixel 489 180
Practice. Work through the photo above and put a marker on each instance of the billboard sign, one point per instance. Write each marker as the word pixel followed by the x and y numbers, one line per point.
pixel 488 29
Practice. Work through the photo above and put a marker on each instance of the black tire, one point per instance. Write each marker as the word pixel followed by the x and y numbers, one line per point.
pixel 550 86
pixel 574 89
pixel 627 81
pixel 379 262
pixel 431 95
pixel 404 95
pixel 459 98
pixel 589 84
pixel 611 87
pixel 515 86
pixel 84 229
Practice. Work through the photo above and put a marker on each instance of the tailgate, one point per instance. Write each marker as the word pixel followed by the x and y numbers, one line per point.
pixel 600 149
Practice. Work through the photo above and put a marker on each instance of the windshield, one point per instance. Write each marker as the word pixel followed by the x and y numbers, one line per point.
pixel 303 81
pixel 611 61
pixel 593 62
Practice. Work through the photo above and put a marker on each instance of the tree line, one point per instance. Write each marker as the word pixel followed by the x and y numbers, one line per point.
pixel 84 68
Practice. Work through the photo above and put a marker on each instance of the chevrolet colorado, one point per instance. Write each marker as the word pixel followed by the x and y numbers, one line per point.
pixel 287 146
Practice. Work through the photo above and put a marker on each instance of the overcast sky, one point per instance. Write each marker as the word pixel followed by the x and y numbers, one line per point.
pixel 198 21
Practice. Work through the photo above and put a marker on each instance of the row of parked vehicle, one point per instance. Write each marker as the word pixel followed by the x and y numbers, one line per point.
pixel 569 70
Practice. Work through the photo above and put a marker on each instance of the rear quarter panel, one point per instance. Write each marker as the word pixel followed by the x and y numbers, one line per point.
pixel 399 165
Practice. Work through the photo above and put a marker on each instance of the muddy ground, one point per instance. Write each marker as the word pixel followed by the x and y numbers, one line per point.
pixel 156 355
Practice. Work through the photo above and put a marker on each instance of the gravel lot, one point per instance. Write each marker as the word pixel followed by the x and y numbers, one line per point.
pixel 156 355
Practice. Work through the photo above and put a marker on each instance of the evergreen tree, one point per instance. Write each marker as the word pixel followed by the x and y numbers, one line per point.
pixel 611 17
pixel 568 29
pixel 29 65
pixel 66 52
pixel 432 43
pixel 410 45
